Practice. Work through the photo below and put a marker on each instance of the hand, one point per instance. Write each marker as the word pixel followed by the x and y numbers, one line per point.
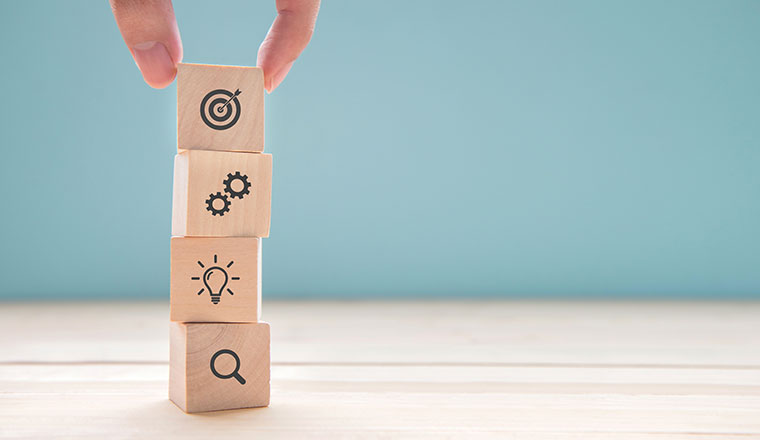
pixel 150 31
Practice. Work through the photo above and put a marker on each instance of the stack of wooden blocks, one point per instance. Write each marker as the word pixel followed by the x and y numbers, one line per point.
pixel 219 349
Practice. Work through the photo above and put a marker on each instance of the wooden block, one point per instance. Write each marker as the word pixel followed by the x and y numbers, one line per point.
pixel 215 366
pixel 220 194
pixel 220 108
pixel 215 279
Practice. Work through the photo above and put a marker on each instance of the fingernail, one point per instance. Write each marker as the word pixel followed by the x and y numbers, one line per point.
pixel 155 63
pixel 278 77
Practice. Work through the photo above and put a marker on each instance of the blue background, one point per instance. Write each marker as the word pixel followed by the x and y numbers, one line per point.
pixel 422 148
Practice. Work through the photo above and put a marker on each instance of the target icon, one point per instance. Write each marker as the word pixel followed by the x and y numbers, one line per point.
pixel 220 109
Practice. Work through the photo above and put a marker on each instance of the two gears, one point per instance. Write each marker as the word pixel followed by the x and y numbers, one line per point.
pixel 220 203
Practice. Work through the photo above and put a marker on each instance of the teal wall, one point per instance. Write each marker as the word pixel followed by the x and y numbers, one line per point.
pixel 422 148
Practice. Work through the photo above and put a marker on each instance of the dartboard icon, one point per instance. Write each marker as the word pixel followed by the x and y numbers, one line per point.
pixel 220 109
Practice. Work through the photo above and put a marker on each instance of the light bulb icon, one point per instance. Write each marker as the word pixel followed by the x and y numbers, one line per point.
pixel 215 280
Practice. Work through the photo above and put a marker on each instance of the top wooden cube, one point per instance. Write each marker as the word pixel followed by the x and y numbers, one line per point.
pixel 220 108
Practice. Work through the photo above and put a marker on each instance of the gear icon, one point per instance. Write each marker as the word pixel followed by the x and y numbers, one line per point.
pixel 214 197
pixel 243 179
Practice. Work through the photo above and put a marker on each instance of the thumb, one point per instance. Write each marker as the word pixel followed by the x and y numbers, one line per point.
pixel 150 31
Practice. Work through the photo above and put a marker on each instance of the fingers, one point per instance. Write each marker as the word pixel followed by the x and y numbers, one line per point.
pixel 287 38
pixel 150 31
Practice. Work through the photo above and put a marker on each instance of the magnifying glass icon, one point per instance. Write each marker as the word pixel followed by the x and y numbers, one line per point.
pixel 235 372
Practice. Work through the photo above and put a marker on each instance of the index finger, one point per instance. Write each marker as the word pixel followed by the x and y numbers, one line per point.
pixel 287 38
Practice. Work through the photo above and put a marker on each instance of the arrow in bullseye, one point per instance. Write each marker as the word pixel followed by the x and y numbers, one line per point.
pixel 221 108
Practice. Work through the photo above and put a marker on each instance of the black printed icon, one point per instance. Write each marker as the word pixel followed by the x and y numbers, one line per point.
pixel 220 109
pixel 215 280
pixel 217 203
pixel 235 371
pixel 243 187
pixel 236 186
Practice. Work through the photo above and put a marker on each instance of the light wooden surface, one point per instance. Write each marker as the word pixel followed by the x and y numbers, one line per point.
pixel 343 370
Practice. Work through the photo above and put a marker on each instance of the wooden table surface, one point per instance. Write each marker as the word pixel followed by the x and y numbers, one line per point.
pixel 459 370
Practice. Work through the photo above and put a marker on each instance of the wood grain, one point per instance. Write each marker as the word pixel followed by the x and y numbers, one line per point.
pixel 344 370
pixel 215 279
pixel 218 366
pixel 201 175
pixel 194 82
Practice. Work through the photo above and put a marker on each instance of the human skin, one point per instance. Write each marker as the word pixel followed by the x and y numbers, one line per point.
pixel 150 31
